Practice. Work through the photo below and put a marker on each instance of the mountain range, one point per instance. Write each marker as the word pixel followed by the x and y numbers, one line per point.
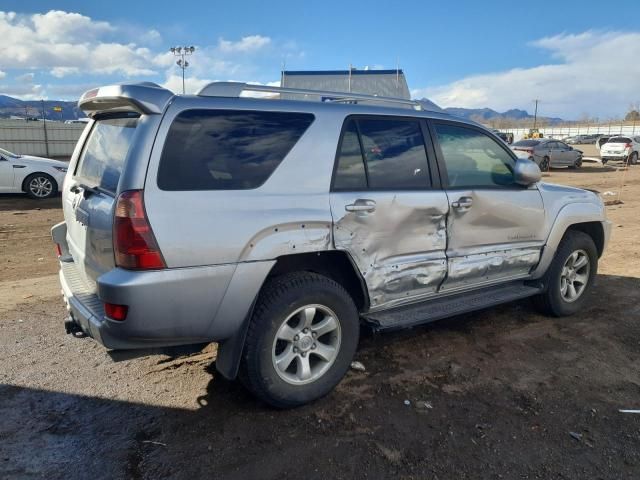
pixel 10 106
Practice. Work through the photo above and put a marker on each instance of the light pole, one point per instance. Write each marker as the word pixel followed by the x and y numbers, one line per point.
pixel 535 115
pixel 182 62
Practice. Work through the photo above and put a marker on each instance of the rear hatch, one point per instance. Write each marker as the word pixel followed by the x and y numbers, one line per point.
pixel 616 145
pixel 90 194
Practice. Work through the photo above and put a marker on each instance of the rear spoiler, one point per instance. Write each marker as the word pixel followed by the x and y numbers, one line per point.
pixel 144 98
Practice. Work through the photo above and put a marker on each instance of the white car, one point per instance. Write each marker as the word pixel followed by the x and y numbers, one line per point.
pixel 621 148
pixel 36 176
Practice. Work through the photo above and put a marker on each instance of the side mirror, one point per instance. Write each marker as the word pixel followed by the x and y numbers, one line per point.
pixel 526 172
pixel 570 148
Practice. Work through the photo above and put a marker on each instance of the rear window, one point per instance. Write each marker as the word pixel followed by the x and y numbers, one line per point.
pixel 105 151
pixel 227 149
pixel 619 140
pixel 525 143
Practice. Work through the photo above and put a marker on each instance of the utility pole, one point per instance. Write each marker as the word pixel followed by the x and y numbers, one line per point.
pixel 44 124
pixel 182 62
pixel 535 114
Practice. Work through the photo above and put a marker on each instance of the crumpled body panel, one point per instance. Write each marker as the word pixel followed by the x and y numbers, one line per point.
pixel 399 247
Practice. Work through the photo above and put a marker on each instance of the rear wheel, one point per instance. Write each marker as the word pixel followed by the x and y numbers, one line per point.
pixel 633 158
pixel 570 276
pixel 301 339
pixel 544 164
pixel 40 186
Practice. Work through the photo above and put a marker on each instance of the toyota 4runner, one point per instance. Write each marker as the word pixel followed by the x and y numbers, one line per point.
pixel 278 227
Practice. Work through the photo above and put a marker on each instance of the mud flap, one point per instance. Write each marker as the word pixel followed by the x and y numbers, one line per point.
pixel 230 350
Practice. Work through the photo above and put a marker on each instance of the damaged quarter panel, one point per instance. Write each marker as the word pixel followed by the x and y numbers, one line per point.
pixel 399 247
pixel 289 213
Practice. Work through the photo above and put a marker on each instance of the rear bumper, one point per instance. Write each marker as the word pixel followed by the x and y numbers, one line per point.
pixel 165 307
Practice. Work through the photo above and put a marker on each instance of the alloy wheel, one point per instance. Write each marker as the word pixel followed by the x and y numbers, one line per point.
pixel 306 344
pixel 40 187
pixel 574 276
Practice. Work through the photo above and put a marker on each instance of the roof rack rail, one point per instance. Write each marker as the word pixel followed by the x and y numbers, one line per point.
pixel 234 89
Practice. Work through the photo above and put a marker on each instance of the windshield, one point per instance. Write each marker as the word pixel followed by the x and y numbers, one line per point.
pixel 7 153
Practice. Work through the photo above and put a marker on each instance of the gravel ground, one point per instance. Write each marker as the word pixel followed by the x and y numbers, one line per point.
pixel 500 393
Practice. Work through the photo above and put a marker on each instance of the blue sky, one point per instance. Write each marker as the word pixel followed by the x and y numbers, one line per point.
pixel 578 58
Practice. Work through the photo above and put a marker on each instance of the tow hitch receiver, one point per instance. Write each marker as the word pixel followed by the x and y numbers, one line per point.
pixel 70 326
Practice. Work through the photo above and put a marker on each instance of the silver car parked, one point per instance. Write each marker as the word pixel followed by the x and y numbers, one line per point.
pixel 548 153
pixel 278 227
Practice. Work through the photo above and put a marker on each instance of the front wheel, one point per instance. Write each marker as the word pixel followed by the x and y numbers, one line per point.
pixel 301 339
pixel 570 276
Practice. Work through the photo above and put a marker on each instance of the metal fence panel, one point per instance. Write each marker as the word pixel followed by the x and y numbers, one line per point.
pixel 28 137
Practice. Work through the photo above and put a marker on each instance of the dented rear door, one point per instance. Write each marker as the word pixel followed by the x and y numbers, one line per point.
pixel 387 213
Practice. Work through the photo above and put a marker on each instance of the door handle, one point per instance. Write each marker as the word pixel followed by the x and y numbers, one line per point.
pixel 463 203
pixel 361 205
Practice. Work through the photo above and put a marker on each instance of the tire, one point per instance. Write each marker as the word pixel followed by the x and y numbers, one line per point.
pixel 40 186
pixel 297 306
pixel 577 164
pixel 553 301
pixel 633 158
pixel 545 164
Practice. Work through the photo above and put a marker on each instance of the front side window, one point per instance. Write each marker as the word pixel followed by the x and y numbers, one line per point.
pixel 105 152
pixel 227 149
pixel 474 159
pixel 382 154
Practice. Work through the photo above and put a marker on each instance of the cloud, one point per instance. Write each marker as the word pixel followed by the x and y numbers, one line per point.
pixel 65 43
pixel 596 72
pixel 68 45
pixel 249 44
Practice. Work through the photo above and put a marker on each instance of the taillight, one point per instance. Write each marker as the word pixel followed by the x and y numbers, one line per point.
pixel 628 145
pixel 58 250
pixel 134 245
pixel 116 312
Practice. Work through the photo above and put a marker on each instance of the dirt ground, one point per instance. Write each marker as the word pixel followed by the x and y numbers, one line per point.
pixel 503 393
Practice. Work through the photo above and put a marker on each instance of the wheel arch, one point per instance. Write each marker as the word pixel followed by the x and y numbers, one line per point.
pixel 588 218
pixel 335 264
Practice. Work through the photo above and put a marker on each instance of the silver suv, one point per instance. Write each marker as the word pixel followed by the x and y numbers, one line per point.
pixel 277 227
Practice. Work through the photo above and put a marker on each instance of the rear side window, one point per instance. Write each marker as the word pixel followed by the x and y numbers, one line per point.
pixel 105 151
pixel 227 149
pixel 382 154
pixel 351 173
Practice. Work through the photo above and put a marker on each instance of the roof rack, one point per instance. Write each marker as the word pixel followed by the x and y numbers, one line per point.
pixel 234 89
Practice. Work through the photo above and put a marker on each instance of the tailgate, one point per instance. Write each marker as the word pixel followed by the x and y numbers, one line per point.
pixel 89 196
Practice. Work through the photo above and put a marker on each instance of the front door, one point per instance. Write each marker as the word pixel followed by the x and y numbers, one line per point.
pixel 387 214
pixel 494 226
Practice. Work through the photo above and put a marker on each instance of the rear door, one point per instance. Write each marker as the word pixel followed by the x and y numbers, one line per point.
pixel 89 198
pixel 494 227
pixel 388 211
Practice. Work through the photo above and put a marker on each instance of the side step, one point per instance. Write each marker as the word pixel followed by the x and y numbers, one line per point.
pixel 448 306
